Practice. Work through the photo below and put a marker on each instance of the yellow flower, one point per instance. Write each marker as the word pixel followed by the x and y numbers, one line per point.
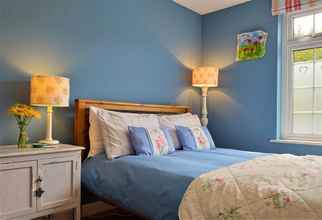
pixel 24 111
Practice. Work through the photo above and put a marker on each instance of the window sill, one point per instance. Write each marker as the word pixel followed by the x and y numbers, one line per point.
pixel 310 143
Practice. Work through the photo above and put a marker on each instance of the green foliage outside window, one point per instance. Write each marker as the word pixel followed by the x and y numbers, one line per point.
pixel 307 55
pixel 319 53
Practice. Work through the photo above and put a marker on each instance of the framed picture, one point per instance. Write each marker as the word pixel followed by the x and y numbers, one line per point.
pixel 251 45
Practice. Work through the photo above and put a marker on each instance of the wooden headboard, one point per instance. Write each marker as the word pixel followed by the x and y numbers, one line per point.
pixel 81 121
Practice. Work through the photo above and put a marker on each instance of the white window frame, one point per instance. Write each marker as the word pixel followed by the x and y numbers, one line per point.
pixel 286 95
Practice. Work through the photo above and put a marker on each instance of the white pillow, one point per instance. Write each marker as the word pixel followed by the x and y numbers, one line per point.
pixel 95 135
pixel 115 130
pixel 185 120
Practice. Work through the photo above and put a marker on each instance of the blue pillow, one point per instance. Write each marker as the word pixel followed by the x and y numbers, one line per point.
pixel 195 138
pixel 151 141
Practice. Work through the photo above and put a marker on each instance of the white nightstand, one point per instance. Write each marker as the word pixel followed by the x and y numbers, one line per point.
pixel 35 182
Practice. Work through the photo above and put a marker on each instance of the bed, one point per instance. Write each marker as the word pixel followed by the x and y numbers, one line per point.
pixel 165 187
pixel 153 186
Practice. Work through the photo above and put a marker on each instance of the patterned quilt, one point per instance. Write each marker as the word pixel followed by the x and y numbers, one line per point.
pixel 274 187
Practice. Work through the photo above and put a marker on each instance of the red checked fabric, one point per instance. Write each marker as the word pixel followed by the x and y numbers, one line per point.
pixel 287 6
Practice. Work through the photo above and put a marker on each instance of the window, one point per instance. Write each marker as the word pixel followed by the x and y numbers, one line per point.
pixel 301 101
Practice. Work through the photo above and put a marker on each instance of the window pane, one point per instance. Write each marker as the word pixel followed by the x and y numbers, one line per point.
pixel 303 79
pixel 303 100
pixel 303 55
pixel 318 23
pixel 303 26
pixel 318 73
pixel 303 74
pixel 317 124
pixel 318 99
pixel 302 124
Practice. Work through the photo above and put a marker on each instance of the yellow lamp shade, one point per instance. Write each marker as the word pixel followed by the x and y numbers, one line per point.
pixel 49 91
pixel 205 77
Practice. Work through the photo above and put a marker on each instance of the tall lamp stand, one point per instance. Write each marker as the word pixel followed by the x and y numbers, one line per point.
pixel 49 128
pixel 204 111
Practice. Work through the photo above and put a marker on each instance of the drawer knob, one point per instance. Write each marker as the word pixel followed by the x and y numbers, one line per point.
pixel 39 192
pixel 39 180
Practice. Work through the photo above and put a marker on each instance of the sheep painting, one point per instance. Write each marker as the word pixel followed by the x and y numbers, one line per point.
pixel 251 45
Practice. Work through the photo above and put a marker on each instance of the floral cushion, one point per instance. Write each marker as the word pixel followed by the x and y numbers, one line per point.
pixel 171 121
pixel 195 138
pixel 151 141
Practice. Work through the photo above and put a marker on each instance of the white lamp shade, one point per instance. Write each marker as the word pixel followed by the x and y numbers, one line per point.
pixel 49 91
pixel 205 77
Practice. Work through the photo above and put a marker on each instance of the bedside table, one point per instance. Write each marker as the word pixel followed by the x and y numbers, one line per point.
pixel 35 182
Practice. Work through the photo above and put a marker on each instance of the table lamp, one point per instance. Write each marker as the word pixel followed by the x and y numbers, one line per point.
pixel 205 77
pixel 49 91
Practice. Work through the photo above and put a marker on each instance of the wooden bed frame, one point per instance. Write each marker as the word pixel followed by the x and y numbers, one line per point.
pixel 81 128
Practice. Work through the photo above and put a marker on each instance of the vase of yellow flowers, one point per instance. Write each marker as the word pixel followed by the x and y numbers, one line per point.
pixel 23 115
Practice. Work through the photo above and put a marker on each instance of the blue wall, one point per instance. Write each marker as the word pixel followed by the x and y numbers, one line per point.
pixel 142 51
pixel 120 50
pixel 242 111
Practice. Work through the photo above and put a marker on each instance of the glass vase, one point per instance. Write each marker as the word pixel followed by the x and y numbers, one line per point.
pixel 23 137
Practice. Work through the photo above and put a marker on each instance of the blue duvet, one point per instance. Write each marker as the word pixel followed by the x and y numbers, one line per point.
pixel 154 186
